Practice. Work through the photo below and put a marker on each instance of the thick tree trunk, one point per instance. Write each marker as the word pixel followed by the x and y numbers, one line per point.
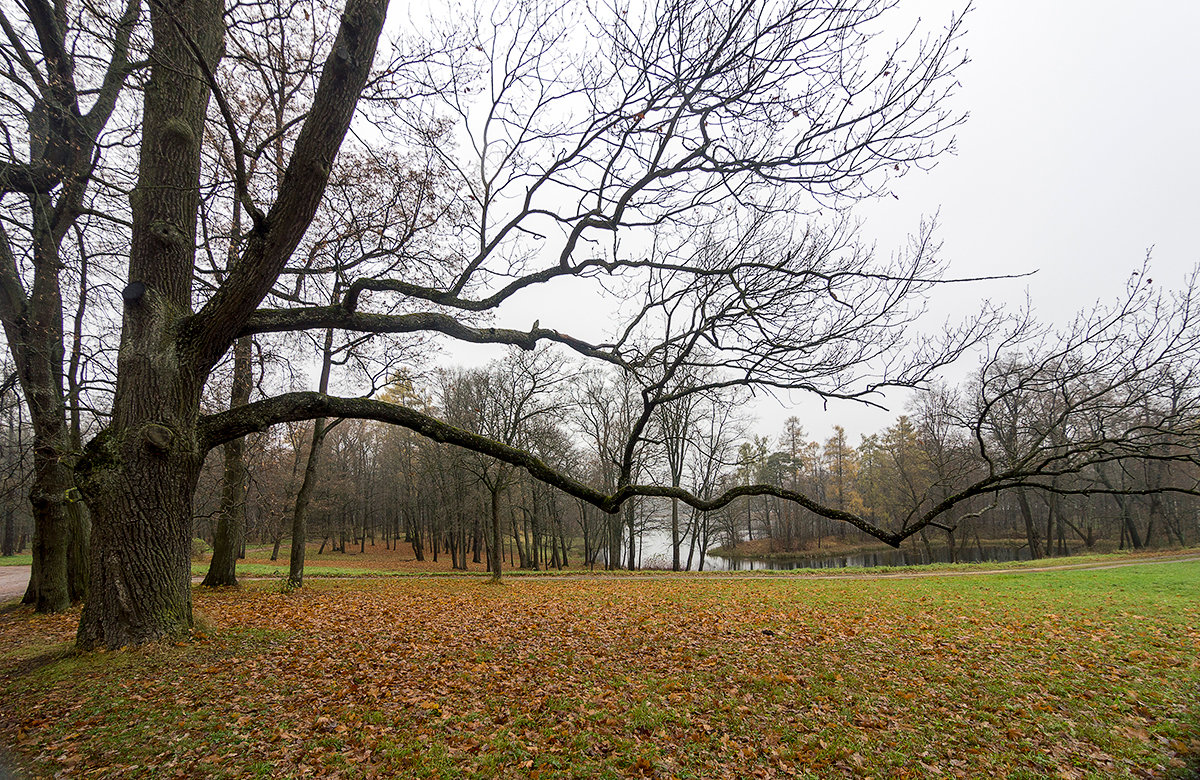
pixel 140 497
pixel 79 537
pixel 33 325
pixel 48 588
pixel 35 337
pixel 139 475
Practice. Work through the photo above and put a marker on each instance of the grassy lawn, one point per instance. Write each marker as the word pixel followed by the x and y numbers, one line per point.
pixel 23 559
pixel 378 561
pixel 1066 674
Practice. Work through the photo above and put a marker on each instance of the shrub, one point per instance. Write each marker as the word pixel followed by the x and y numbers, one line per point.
pixel 200 548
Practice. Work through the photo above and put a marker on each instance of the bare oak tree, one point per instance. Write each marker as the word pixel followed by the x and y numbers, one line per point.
pixel 578 138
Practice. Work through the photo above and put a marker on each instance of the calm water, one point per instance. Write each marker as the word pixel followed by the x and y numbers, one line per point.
pixel 656 553
pixel 879 558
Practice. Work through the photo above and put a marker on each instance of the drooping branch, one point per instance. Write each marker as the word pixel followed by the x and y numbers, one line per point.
pixel 291 407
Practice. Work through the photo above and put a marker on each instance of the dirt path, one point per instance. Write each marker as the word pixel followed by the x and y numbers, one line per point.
pixel 14 579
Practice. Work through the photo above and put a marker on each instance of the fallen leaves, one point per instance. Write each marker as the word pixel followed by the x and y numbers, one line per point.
pixel 625 678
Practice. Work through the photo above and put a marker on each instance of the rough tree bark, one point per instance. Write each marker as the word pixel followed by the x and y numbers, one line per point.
pixel 140 473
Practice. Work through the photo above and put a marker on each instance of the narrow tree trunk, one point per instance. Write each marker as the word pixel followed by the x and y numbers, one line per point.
pixel 496 541
pixel 9 546
pixel 1030 531
pixel 1049 537
pixel 631 519
pixel 615 521
pixel 675 541
pixel 518 531
pixel 222 570
pixel 300 513
pixel 79 525
pixel 562 541
pixel 1129 529
pixel 695 534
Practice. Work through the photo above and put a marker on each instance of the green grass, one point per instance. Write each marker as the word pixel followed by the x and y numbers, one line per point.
pixel 21 559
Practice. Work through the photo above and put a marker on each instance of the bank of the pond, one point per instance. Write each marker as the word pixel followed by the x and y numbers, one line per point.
pixel 758 554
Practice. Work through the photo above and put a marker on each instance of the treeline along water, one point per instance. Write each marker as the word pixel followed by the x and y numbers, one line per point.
pixel 907 557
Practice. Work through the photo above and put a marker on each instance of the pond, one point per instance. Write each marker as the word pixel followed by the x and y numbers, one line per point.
pixel 907 557
pixel 656 553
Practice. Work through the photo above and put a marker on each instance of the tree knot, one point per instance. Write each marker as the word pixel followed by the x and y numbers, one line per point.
pixel 157 438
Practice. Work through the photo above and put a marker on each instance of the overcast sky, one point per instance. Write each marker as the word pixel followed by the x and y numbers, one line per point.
pixel 1080 151
pixel 1079 156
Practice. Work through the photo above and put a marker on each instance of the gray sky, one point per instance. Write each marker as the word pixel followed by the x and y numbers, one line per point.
pixel 1079 156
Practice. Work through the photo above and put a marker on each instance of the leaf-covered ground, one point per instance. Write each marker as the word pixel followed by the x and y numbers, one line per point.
pixel 1061 674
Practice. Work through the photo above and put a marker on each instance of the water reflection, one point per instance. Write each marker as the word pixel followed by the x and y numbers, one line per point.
pixel 655 553
pixel 997 553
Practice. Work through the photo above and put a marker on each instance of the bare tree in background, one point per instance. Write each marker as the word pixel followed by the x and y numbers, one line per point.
pixel 1069 413
pixel 64 75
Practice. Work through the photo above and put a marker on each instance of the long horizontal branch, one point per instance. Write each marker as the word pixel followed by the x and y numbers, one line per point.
pixel 595 265
pixel 313 317
pixel 219 428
